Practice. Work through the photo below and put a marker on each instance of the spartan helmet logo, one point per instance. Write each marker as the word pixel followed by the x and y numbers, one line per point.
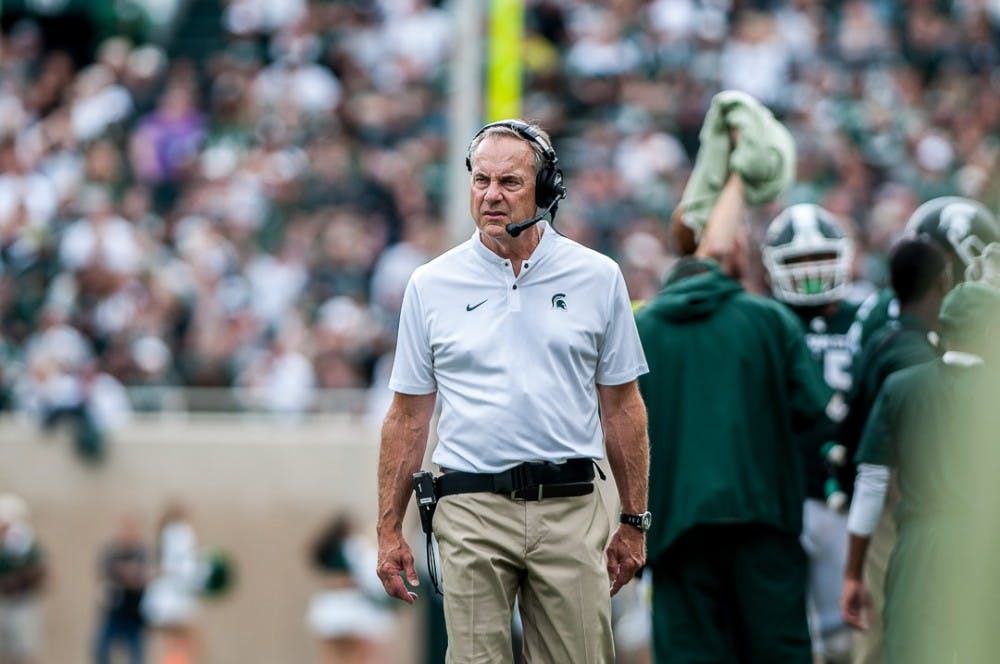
pixel 956 220
pixel 559 301
pixel 956 223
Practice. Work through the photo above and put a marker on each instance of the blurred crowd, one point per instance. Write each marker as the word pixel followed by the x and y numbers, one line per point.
pixel 250 219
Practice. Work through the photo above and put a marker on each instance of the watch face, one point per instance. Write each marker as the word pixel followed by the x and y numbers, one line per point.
pixel 647 521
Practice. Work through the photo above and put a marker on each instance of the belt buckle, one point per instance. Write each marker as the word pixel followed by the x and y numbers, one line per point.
pixel 514 496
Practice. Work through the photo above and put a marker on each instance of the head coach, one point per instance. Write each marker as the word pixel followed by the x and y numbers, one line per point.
pixel 527 341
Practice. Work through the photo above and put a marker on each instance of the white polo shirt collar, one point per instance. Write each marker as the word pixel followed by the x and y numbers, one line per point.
pixel 544 248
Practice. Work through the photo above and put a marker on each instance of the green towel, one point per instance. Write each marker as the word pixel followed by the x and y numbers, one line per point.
pixel 764 157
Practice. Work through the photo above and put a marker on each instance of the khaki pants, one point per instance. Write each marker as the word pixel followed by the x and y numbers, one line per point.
pixel 549 554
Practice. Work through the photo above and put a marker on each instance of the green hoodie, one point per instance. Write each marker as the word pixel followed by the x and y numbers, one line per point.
pixel 730 379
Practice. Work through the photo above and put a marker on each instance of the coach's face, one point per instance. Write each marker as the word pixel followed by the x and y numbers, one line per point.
pixel 503 184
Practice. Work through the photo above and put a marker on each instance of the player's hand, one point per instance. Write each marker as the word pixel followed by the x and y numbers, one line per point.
pixel 626 556
pixel 855 604
pixel 395 559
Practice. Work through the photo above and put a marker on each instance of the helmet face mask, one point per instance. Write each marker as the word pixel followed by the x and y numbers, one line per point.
pixel 807 256
pixel 962 226
pixel 986 266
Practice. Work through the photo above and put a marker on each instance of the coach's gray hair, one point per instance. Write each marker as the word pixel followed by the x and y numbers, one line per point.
pixel 502 130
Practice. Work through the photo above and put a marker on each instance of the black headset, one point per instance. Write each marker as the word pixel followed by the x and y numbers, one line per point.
pixel 549 187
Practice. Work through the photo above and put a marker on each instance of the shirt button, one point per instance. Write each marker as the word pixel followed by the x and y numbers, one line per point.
pixel 514 286
pixel 526 266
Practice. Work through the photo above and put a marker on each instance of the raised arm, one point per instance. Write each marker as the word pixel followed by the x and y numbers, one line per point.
pixel 724 238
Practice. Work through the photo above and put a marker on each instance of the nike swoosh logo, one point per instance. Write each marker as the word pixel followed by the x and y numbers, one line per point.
pixel 470 307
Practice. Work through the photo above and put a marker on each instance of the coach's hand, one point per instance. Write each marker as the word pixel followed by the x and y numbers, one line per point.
pixel 626 556
pixel 394 560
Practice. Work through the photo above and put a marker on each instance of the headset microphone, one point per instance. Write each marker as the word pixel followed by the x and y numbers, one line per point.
pixel 515 229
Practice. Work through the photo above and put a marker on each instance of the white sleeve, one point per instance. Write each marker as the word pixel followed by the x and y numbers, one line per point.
pixel 413 363
pixel 621 355
pixel 870 488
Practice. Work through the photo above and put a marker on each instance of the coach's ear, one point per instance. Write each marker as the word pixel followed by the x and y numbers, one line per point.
pixel 681 233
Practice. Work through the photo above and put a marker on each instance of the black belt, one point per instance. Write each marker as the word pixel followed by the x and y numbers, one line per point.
pixel 527 481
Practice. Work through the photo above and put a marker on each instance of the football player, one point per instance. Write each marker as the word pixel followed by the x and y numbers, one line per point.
pixel 961 229
pixel 960 226
pixel 808 257
pixel 920 276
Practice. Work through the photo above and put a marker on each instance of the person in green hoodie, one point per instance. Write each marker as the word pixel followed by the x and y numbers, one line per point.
pixel 731 379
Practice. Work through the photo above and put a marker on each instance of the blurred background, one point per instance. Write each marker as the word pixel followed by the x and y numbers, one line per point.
pixel 209 210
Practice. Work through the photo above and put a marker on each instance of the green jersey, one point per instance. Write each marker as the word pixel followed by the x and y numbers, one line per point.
pixel 932 422
pixel 872 314
pixel 730 380
pixel 898 344
pixel 828 336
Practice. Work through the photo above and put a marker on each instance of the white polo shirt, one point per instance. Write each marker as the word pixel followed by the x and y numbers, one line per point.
pixel 515 361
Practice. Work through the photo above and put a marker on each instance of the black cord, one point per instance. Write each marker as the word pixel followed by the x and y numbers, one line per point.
pixel 432 569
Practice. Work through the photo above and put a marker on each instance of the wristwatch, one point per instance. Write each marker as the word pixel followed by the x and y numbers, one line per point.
pixel 641 521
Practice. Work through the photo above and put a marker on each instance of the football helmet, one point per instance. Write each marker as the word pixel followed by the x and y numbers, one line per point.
pixel 807 256
pixel 961 226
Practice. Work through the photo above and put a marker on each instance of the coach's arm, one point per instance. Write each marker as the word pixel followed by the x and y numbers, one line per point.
pixel 404 439
pixel 623 415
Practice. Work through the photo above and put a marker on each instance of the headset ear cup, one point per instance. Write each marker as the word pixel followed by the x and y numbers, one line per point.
pixel 558 188
pixel 543 189
pixel 548 186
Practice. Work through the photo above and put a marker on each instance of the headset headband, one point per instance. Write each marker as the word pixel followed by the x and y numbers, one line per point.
pixel 525 131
